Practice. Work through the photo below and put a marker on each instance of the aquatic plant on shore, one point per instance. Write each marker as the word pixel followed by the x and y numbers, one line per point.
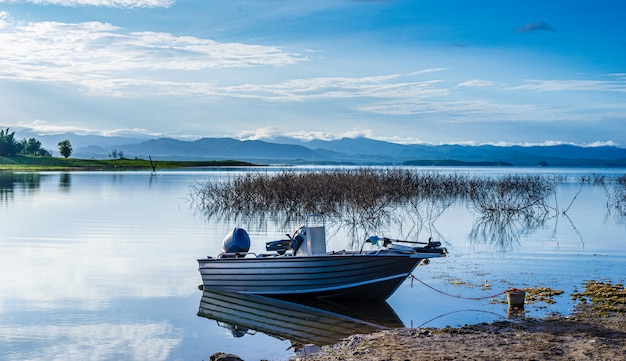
pixel 605 298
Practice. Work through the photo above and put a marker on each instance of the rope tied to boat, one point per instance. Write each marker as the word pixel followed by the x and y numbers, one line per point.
pixel 457 296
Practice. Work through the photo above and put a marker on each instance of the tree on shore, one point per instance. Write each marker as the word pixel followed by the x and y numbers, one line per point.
pixel 8 145
pixel 32 147
pixel 65 148
pixel 116 154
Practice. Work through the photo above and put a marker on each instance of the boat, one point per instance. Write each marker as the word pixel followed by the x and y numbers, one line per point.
pixel 304 322
pixel 301 267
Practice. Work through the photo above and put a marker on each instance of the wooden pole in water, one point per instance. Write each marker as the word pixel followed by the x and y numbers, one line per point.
pixel 152 164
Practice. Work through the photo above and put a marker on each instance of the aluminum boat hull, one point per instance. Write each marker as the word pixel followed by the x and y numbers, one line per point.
pixel 347 276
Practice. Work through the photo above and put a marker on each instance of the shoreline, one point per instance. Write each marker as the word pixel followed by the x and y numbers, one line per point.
pixel 585 335
pixel 588 334
pixel 42 164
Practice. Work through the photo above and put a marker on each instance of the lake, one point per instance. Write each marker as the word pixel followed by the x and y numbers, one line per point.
pixel 102 265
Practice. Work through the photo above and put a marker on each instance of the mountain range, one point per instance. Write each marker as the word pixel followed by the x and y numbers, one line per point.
pixel 360 151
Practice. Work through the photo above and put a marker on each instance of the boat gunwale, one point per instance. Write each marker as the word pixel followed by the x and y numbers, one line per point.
pixel 340 254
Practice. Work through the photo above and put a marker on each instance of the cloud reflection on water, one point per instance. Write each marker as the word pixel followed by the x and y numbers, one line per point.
pixel 100 341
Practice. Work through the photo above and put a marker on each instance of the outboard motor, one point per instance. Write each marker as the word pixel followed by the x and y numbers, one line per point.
pixel 236 241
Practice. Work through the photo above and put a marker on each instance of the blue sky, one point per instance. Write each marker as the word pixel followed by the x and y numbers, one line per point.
pixel 458 71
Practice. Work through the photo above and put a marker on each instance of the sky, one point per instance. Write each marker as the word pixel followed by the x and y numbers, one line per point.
pixel 521 72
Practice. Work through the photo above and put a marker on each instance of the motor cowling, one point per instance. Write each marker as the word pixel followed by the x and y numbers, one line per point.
pixel 236 241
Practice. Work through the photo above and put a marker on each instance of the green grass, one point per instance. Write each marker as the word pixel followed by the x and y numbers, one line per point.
pixel 53 163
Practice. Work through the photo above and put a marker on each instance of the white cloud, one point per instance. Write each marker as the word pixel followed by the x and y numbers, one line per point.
pixel 5 19
pixel 608 143
pixel 384 86
pixel 475 110
pixel 401 140
pixel 477 83
pixel 579 85
pixel 103 3
pixel 269 134
pixel 43 127
pixel 550 143
pixel 100 57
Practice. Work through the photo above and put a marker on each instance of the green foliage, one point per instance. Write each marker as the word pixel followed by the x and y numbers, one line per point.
pixel 32 147
pixel 65 148
pixel 115 154
pixel 8 145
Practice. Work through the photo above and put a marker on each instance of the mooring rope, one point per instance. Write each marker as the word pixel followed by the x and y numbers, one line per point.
pixel 456 296
pixel 458 311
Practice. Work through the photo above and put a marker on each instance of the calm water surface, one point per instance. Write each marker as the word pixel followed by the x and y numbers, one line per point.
pixel 102 265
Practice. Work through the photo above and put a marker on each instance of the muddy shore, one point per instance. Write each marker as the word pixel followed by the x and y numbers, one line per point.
pixel 595 331
pixel 584 336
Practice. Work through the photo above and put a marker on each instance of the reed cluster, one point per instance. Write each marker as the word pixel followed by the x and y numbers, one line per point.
pixel 513 195
pixel 367 201
pixel 619 195
pixel 369 190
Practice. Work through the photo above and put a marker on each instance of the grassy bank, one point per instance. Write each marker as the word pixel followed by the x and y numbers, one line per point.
pixel 68 164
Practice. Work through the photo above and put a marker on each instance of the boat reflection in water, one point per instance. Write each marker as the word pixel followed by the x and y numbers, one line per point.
pixel 308 323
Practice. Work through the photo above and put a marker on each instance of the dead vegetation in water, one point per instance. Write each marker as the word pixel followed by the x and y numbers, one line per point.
pixel 513 195
pixel 371 191
pixel 618 195
pixel 367 201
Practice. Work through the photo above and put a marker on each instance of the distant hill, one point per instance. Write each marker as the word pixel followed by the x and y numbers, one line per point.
pixel 50 142
pixel 360 151
pixel 216 148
